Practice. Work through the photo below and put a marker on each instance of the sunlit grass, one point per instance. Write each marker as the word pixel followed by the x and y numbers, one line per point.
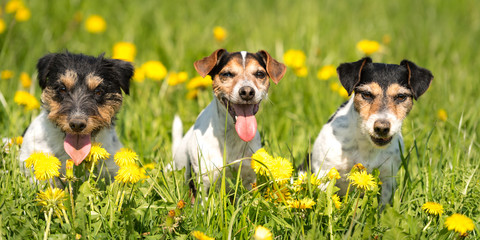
pixel 440 159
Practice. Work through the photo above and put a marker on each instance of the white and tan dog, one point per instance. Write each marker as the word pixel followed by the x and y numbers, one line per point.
pixel 240 83
pixel 367 128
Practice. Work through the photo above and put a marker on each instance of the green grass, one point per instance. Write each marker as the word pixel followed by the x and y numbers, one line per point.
pixel 442 158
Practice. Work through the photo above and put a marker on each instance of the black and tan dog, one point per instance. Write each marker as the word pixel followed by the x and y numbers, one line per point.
pixel 80 98
pixel 367 128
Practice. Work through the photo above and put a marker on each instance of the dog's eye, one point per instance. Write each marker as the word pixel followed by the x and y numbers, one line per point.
pixel 98 92
pixel 401 98
pixel 260 74
pixel 226 74
pixel 62 89
pixel 367 96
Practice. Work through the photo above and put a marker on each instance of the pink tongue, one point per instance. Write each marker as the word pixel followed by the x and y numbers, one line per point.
pixel 246 125
pixel 77 147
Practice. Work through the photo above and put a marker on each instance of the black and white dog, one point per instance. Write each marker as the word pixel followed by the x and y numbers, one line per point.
pixel 367 128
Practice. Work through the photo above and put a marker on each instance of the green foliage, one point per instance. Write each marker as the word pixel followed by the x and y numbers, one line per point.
pixel 440 160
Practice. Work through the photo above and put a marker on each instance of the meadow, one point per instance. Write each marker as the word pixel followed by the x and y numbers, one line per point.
pixel 441 133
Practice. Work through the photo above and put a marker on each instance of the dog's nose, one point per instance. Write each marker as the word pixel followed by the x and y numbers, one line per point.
pixel 381 127
pixel 246 93
pixel 78 125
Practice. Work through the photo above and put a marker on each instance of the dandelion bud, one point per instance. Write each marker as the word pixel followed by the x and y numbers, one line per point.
pixel 333 173
pixel 170 220
pixel 69 169
pixel 181 204
pixel 171 213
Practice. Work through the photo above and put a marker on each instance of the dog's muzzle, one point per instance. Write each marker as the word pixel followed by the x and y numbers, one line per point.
pixel 381 129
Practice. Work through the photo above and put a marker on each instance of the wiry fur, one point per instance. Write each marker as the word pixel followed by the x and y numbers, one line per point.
pixel 80 95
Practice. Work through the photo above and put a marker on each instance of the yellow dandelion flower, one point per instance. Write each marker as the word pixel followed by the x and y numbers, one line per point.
pixel 368 47
pixel 3 26
pixel 294 58
pixel 259 159
pixel 97 153
pixel 130 173
pixel 23 14
pixel 139 75
pixel 27 100
pixel 47 167
pixel 149 166
pixel 280 168
pixel 336 201
pixel 306 203
pixel 125 156
pixel 343 93
pixel 124 51
pixel 199 82
pixel 313 179
pixel 327 72
pixel 277 195
pixel 333 173
pixel 95 24
pixel 442 115
pixel 219 33
pixel 25 80
pixel 6 74
pixel 192 94
pixel 301 71
pixel 362 180
pixel 154 70
pixel 298 182
pixel 52 198
pixel 143 174
pixel 13 5
pixel 18 140
pixel 15 141
pixel 459 223
pixel 201 236
pixel 177 78
pixel 34 158
pixel 433 208
pixel 262 233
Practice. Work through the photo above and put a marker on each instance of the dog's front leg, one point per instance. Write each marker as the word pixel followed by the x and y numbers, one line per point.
pixel 207 165
pixel 388 186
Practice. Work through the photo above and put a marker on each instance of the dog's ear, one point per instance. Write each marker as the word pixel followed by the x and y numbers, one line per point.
pixel 43 68
pixel 419 79
pixel 275 69
pixel 123 71
pixel 350 74
pixel 204 66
